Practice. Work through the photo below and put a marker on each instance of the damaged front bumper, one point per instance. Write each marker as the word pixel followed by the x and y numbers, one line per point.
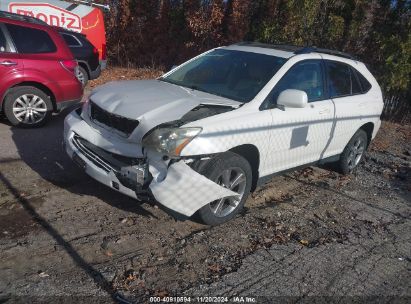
pixel 175 184
pixel 127 178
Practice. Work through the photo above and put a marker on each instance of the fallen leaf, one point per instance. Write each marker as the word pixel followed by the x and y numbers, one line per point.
pixel 43 274
pixel 214 268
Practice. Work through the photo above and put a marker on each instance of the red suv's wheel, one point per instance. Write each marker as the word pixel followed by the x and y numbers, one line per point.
pixel 82 76
pixel 27 107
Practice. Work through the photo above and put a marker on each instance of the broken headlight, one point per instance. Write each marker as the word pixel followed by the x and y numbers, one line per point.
pixel 170 141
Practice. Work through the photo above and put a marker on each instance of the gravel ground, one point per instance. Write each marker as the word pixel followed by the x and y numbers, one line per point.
pixel 308 234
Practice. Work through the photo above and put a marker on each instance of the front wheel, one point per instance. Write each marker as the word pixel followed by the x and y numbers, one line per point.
pixel 353 152
pixel 231 171
pixel 27 107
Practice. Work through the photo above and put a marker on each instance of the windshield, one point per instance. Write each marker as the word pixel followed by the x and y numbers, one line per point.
pixel 235 75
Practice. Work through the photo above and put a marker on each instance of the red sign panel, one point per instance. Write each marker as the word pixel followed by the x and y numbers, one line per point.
pixel 50 14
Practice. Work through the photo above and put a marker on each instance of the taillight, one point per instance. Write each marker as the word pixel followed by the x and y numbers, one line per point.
pixel 103 52
pixel 69 65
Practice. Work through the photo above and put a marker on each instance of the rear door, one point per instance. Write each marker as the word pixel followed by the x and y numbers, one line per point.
pixel 11 67
pixel 351 103
pixel 38 50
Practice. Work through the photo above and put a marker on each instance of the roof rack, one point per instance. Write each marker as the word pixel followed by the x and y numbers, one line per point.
pixel 281 47
pixel 296 49
pixel 18 17
pixel 313 49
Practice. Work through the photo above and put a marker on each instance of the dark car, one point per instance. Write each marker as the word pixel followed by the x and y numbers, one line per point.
pixel 86 54
pixel 37 71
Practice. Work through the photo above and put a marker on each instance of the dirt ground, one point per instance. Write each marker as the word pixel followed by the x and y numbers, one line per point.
pixel 304 235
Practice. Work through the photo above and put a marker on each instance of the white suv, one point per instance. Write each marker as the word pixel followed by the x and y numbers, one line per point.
pixel 205 134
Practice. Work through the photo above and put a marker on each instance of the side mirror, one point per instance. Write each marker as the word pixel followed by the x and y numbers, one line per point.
pixel 292 99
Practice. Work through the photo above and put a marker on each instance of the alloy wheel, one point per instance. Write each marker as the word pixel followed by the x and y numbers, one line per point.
pixel 356 152
pixel 80 76
pixel 235 180
pixel 29 109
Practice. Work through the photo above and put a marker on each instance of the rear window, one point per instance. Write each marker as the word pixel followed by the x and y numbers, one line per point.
pixel 31 41
pixel 70 40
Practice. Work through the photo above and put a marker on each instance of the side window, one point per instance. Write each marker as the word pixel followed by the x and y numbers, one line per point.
pixel 306 76
pixel 339 79
pixel 3 42
pixel 356 86
pixel 70 40
pixel 31 41
pixel 365 85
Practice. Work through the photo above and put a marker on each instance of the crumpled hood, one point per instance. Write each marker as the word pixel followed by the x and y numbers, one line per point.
pixel 136 98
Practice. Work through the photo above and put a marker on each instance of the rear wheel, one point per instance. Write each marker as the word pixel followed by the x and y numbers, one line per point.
pixel 231 171
pixel 82 76
pixel 353 152
pixel 27 107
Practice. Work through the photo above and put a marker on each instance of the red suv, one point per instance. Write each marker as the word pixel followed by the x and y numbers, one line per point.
pixel 37 71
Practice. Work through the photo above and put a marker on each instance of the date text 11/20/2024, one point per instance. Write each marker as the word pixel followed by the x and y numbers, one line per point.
pixel 203 299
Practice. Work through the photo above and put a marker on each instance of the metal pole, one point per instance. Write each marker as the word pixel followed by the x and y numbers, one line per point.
pixel 91 3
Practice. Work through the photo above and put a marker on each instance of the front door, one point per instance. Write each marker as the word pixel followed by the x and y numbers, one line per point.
pixel 301 135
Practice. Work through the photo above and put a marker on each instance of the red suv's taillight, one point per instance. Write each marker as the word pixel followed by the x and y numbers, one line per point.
pixel 69 65
pixel 103 52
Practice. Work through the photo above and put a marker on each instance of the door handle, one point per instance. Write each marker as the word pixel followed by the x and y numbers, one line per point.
pixel 324 111
pixel 8 63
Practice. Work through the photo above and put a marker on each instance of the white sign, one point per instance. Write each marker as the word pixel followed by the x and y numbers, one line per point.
pixel 50 14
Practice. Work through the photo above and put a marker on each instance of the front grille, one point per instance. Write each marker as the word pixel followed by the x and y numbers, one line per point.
pixel 131 172
pixel 104 159
pixel 93 157
pixel 120 123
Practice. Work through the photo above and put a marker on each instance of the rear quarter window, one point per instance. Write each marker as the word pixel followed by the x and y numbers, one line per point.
pixel 355 82
pixel 31 41
pixel 71 40
pixel 365 84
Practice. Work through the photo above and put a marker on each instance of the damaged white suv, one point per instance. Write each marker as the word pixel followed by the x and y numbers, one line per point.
pixel 204 135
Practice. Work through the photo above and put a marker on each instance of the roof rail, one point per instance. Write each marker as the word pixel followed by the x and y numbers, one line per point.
pixel 313 49
pixel 296 49
pixel 281 47
pixel 18 17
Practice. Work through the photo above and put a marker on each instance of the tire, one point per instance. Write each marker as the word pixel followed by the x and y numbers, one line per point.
pixel 82 76
pixel 19 110
pixel 218 169
pixel 353 152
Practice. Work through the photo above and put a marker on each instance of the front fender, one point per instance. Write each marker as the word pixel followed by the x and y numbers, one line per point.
pixel 231 130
